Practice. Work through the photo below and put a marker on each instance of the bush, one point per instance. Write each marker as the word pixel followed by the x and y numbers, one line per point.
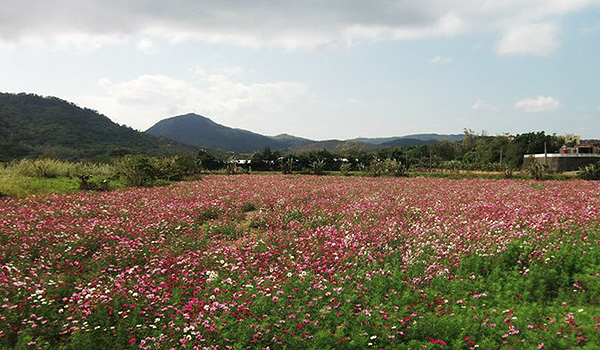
pixel 389 166
pixel 589 172
pixel 287 165
pixel 175 168
pixel 87 184
pixel 345 168
pixel 537 170
pixel 137 170
pixel 318 167
pixel 248 207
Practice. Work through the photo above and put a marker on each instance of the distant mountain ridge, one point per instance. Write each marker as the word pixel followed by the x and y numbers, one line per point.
pixel 37 126
pixel 418 137
pixel 197 130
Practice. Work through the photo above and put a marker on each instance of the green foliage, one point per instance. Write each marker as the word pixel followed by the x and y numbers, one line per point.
pixel 537 170
pixel 137 170
pixel 21 186
pixel 44 176
pixel 233 168
pixel 175 168
pixel 287 164
pixel 388 166
pixel 264 159
pixel 205 215
pixel 345 168
pixel 589 172
pixel 87 184
pixel 318 166
pixel 224 231
pixel 531 143
pixel 46 168
pixel 47 127
pixel 249 206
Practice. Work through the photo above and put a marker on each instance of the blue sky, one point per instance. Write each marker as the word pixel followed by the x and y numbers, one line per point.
pixel 317 69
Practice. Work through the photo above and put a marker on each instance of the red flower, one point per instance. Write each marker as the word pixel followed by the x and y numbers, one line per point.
pixel 437 341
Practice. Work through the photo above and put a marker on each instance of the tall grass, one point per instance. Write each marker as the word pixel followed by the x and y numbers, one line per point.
pixel 44 176
pixel 50 168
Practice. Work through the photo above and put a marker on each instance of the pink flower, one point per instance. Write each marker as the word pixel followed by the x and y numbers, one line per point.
pixel 437 341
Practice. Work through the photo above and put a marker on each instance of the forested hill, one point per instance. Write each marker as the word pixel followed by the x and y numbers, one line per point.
pixel 194 129
pixel 37 126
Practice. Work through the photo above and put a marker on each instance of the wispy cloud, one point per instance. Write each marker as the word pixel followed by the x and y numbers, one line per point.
pixel 440 60
pixel 539 104
pixel 482 106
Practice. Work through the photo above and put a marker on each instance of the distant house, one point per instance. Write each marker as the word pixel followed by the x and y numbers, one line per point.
pixel 587 147
pixel 569 158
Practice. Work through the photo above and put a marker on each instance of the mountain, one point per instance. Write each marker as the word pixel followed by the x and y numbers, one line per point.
pixel 194 129
pixel 290 140
pixel 405 142
pixel 374 144
pixel 336 146
pixel 435 137
pixel 37 126
pixel 409 140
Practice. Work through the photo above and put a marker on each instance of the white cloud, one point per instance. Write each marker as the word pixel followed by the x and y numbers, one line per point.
pixel 146 46
pixel 482 106
pixel 539 104
pixel 529 39
pixel 143 101
pixel 440 60
pixel 524 26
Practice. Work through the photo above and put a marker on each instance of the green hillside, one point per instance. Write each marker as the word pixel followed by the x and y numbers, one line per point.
pixel 194 129
pixel 37 126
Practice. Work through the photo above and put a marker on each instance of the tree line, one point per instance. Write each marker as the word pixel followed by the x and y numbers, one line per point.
pixel 473 152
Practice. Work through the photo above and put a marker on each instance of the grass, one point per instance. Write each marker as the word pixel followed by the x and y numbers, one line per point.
pixel 26 177
pixel 18 186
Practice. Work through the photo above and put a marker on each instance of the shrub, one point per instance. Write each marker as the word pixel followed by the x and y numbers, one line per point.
pixel 175 168
pixel 345 168
pixel 589 172
pixel 537 170
pixel 388 166
pixel 287 165
pixel 508 172
pixel 137 170
pixel 317 166
pixel 248 207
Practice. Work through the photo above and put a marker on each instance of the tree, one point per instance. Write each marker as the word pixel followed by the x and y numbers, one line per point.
pixel 531 143
pixel 264 159
pixel 207 161
pixel 444 149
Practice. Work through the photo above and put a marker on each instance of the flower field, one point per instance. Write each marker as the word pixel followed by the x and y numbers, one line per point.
pixel 302 262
